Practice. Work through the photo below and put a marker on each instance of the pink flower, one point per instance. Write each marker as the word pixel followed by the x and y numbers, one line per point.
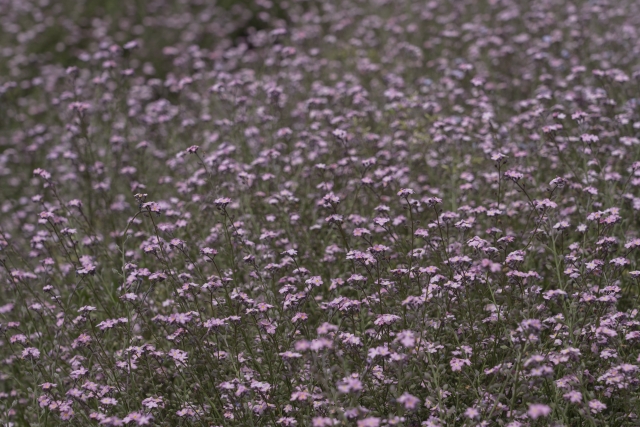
pixel 573 396
pixel 386 319
pixel 458 364
pixel 222 202
pixel 538 410
pixel 179 356
pixel 350 384
pixel 31 353
pixel 409 401
pixel 596 406
pixel 138 418
pixel 369 422
pixel 472 413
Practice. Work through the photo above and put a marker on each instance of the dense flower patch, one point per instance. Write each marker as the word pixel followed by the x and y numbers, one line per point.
pixel 370 213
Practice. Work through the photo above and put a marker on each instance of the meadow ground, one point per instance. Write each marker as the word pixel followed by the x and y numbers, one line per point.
pixel 320 213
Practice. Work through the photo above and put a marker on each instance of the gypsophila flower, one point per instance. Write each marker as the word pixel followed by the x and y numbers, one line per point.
pixel 222 202
pixel 619 262
pixel 562 225
pixel 314 281
pixel 558 182
pixel 538 410
pixel 138 418
pixel 589 138
pixel 369 422
pixel 472 413
pixel 595 406
pixel 108 401
pixel 179 356
pixel 153 402
pixel 573 396
pixel 359 232
pixel 513 175
pixel 409 401
pixel 386 319
pixel 30 353
pixel 350 384
pixel 457 364
pixel 299 317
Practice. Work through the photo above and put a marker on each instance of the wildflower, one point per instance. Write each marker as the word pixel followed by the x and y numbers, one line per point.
pixel 177 243
pixel 290 355
pixel 42 174
pixel 386 319
pixel 457 364
pixel 209 252
pixel 531 326
pixel 513 175
pixel 538 410
pixel 152 207
pixel 179 356
pixel 330 199
pixel 138 418
pixel 369 422
pixel 350 384
pixel 498 157
pixel 633 244
pixel 186 412
pixel 544 204
pixel 596 406
pixel 409 401
pixel 334 219
pixel 299 396
pixel 314 281
pixel 111 421
pixel 299 316
pixel 573 396
pixel 157 277
pixel 263 387
pixel 472 413
pixel 340 134
pixel 222 202
pixel 579 116
pixel 215 323
pixel 21 338
pixel 359 232
pixel 109 401
pixel 619 262
pixel 324 422
pixel 591 190
pixel 153 402
pixel 589 138
pixel 432 201
pixel 31 353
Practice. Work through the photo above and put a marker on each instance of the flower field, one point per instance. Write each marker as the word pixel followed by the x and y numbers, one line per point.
pixel 359 213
